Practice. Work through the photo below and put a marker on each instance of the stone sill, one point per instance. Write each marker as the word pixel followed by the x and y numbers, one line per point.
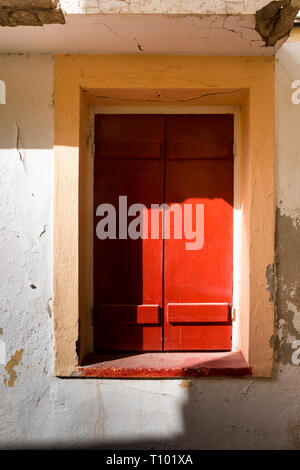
pixel 165 365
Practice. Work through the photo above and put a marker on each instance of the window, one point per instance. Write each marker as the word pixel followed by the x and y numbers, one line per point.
pixel 163 276
pixel 84 83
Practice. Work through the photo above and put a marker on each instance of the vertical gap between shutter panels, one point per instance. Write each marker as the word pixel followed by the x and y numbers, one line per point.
pixel 163 228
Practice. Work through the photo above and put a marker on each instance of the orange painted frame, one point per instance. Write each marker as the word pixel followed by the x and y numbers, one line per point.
pixel 81 81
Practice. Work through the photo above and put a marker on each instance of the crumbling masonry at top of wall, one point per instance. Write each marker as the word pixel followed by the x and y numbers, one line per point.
pixel 30 12
pixel 275 20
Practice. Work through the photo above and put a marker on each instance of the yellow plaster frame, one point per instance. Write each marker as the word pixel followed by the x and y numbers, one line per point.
pixel 82 81
pixel 295 34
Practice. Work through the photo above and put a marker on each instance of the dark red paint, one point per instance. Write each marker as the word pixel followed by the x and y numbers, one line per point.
pixel 152 295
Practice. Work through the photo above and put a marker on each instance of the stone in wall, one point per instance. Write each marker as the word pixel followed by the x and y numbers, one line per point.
pixel 276 20
pixel 30 12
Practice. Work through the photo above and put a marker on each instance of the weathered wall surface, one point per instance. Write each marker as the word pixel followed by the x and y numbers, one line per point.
pixel 39 410
pixel 288 201
pixel 220 27
pixel 162 6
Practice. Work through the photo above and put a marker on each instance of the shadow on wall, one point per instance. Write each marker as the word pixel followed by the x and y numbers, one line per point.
pixel 216 414
pixel 225 414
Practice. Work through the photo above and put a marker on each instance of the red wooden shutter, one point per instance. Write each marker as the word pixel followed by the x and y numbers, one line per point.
pixel 151 159
pixel 198 284
pixel 128 273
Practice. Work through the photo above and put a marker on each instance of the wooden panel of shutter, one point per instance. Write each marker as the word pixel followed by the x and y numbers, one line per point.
pixel 129 149
pixel 127 272
pixel 199 171
pixel 198 312
pixel 128 314
pixel 199 149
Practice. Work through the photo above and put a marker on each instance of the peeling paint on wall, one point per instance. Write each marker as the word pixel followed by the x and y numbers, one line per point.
pixel 19 147
pixel 270 281
pixel 288 289
pixel 10 368
pixel 186 383
pixel 49 307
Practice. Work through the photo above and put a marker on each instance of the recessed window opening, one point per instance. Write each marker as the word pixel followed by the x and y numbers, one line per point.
pixel 163 232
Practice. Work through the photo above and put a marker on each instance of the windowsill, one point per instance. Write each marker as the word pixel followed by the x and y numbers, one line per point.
pixel 165 365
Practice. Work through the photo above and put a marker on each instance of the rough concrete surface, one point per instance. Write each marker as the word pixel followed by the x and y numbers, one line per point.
pixel 288 205
pixel 288 297
pixel 141 34
pixel 30 12
pixel 200 7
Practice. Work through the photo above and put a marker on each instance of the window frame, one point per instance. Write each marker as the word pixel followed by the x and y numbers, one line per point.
pixel 182 110
pixel 85 81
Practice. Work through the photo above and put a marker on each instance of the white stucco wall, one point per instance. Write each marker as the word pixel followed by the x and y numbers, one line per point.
pixel 162 6
pixel 40 410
